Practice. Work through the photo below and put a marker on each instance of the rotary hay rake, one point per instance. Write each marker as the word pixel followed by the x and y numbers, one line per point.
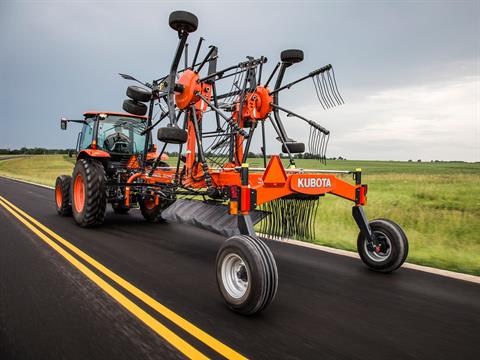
pixel 212 185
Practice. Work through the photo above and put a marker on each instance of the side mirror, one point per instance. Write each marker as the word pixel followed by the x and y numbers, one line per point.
pixel 63 123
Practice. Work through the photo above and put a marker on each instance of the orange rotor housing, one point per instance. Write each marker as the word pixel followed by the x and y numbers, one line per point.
pixel 257 105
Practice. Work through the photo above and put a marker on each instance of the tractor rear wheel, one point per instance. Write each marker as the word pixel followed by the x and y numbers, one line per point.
pixel 392 250
pixel 88 193
pixel 247 275
pixel 153 212
pixel 62 195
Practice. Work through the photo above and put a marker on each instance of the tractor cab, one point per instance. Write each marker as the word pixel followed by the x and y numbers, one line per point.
pixel 117 136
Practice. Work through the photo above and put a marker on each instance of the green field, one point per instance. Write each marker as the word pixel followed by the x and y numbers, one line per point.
pixel 438 204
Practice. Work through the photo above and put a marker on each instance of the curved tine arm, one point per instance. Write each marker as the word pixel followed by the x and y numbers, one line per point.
pixel 172 78
pixel 310 122
pixel 278 121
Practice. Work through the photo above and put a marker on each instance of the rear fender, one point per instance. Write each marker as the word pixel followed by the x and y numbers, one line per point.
pixel 96 154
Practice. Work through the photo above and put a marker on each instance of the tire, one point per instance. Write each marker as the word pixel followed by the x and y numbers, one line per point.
pixel 138 93
pixel 134 107
pixel 247 275
pixel 88 193
pixel 151 212
pixel 120 208
pixel 291 56
pixel 172 135
pixel 183 20
pixel 293 147
pixel 62 195
pixel 394 246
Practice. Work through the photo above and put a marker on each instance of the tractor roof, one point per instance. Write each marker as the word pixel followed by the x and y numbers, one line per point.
pixel 94 113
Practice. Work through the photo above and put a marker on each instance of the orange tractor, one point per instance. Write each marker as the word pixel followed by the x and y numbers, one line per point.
pixel 212 185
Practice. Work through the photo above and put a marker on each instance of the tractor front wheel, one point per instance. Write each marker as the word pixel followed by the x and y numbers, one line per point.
pixel 88 193
pixel 62 195
pixel 391 251
pixel 247 274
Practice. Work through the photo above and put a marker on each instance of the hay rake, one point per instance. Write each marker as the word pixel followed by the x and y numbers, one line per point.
pixel 212 185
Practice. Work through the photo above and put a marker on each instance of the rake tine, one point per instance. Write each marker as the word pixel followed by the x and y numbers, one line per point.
pixel 332 88
pixel 320 88
pixel 318 94
pixel 323 90
pixel 336 87
pixel 325 87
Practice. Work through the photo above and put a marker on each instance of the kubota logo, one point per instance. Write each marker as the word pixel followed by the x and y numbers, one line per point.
pixel 314 182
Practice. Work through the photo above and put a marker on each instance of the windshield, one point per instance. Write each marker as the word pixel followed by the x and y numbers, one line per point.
pixel 119 134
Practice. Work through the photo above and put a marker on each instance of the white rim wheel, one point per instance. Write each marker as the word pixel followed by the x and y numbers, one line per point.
pixel 383 253
pixel 235 275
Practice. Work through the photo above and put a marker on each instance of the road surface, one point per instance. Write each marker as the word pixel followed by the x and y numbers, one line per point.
pixel 327 307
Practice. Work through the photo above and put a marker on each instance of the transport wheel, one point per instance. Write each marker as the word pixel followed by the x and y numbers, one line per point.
pixel 183 20
pixel 62 195
pixel 392 250
pixel 134 107
pixel 88 193
pixel 151 212
pixel 120 208
pixel 291 56
pixel 247 274
pixel 138 93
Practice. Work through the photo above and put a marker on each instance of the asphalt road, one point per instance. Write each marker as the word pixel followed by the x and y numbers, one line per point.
pixel 327 307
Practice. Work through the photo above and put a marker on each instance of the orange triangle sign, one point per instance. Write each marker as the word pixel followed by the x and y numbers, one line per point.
pixel 275 172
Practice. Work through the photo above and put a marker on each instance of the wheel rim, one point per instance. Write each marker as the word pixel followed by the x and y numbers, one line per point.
pixel 381 253
pixel 235 275
pixel 79 193
pixel 58 196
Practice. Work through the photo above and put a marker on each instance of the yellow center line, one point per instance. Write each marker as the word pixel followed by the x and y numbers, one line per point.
pixel 150 321
pixel 181 322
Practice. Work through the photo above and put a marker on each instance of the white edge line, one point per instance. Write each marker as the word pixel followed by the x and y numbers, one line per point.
pixel 26 182
pixel 427 269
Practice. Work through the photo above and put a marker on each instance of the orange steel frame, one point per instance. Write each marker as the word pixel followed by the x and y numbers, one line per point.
pixel 273 183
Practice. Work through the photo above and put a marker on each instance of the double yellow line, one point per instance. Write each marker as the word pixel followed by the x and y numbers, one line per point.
pixel 53 240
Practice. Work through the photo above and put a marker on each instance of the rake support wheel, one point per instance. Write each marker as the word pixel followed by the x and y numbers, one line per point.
pixel 172 135
pixel 392 251
pixel 291 56
pixel 88 193
pixel 293 147
pixel 62 195
pixel 138 93
pixel 134 107
pixel 183 21
pixel 247 275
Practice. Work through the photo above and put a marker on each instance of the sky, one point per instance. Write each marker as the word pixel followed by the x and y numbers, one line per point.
pixel 409 71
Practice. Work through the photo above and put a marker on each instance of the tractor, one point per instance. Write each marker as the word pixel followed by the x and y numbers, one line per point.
pixel 110 148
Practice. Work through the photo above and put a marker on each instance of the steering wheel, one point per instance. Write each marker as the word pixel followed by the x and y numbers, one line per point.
pixel 118 142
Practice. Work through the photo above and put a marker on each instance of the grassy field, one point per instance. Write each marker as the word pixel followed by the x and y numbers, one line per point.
pixel 438 204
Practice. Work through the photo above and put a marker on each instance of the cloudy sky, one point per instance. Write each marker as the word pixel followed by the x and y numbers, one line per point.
pixel 409 71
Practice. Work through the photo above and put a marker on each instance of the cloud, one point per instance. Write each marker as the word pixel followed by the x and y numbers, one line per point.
pixel 438 120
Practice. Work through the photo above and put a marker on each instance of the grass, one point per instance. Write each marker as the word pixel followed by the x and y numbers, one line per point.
pixel 438 204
